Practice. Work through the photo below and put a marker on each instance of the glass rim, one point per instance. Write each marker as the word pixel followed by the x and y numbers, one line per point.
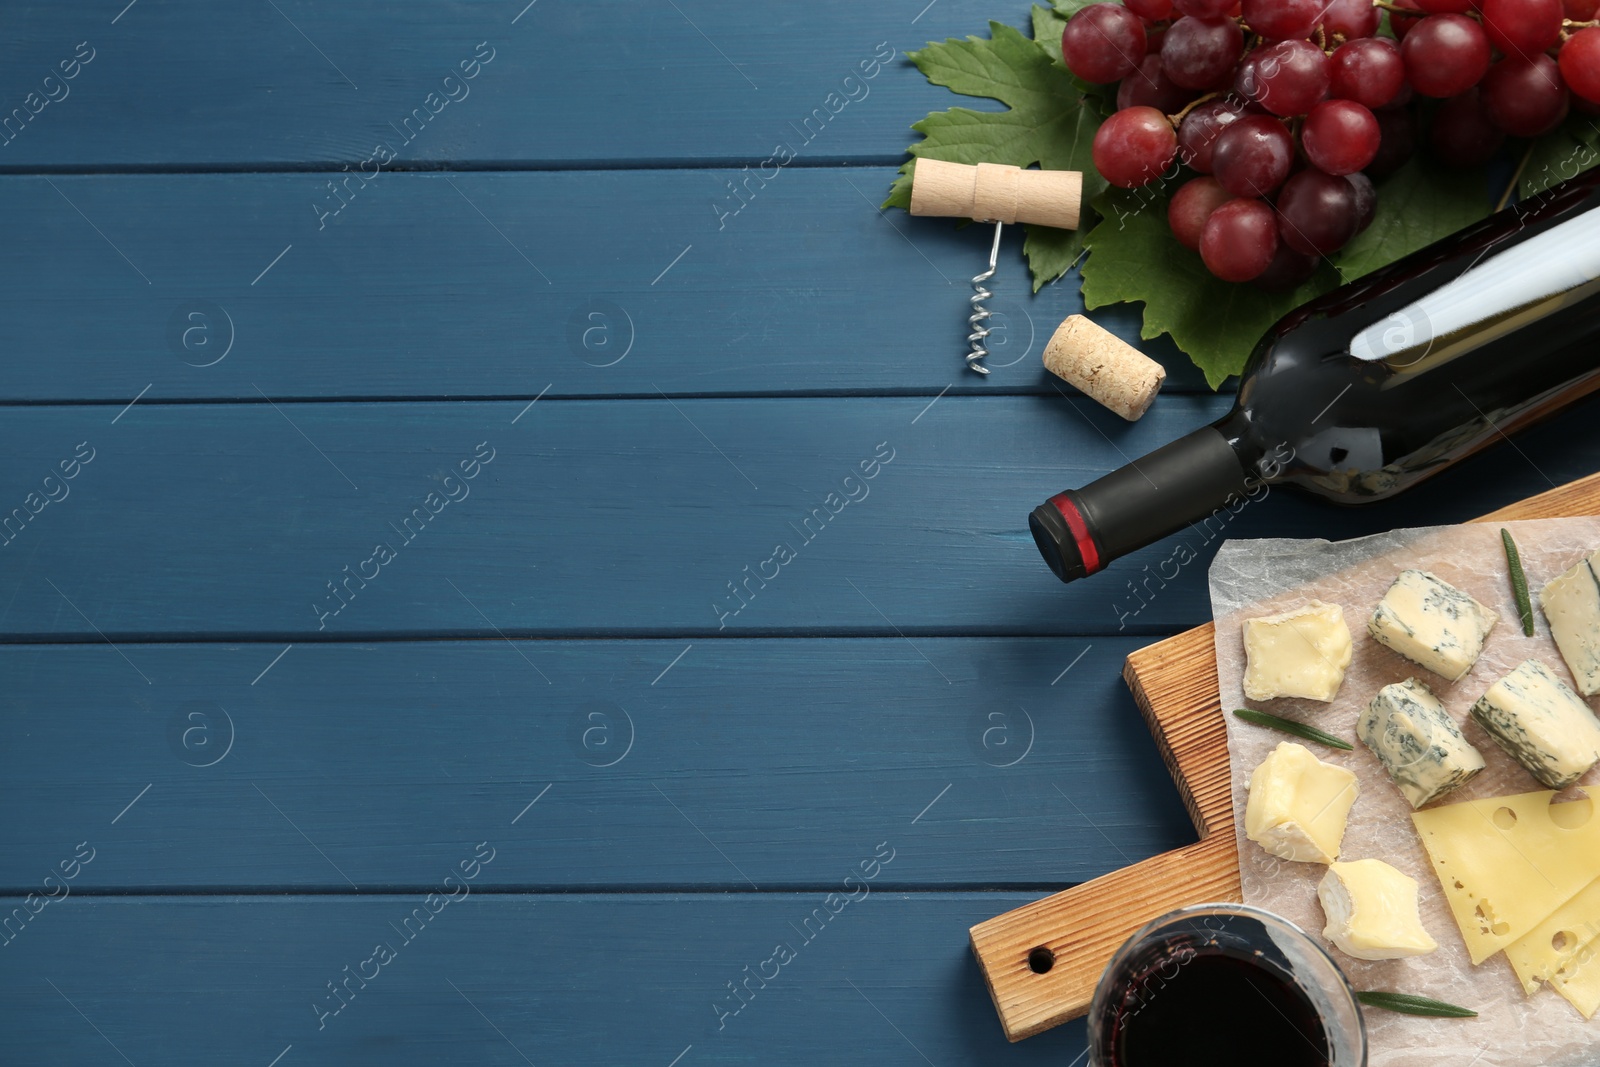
pixel 1344 990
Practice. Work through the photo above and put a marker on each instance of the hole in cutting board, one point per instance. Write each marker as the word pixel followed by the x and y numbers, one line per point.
pixel 1041 959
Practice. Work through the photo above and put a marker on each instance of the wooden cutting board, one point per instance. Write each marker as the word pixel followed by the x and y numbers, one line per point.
pixel 1042 960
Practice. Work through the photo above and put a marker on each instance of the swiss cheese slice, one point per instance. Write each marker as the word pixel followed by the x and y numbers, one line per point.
pixel 1579 982
pixel 1507 863
pixel 1570 929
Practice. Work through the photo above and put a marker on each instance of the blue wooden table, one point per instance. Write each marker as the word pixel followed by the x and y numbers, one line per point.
pixel 495 571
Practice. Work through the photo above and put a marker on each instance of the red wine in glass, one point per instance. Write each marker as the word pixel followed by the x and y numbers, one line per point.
pixel 1224 984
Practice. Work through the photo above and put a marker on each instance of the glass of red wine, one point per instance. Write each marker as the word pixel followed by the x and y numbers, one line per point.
pixel 1224 984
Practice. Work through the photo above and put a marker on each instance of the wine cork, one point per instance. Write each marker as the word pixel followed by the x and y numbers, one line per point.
pixel 1104 367
pixel 995 192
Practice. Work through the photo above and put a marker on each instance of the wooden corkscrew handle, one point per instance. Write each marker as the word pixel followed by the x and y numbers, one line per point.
pixel 995 192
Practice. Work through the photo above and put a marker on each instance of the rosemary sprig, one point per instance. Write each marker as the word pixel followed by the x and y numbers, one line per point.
pixel 1519 582
pixel 1289 726
pixel 1407 1004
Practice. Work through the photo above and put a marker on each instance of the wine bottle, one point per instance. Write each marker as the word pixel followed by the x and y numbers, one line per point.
pixel 1374 387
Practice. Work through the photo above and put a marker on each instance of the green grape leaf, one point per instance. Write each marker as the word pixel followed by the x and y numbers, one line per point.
pixel 1572 147
pixel 1048 25
pixel 1417 205
pixel 1068 8
pixel 1051 123
pixel 1133 256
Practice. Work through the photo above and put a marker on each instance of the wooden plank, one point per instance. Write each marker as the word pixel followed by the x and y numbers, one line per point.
pixel 566 84
pixel 1175 684
pixel 474 285
pixel 509 980
pixel 663 505
pixel 711 764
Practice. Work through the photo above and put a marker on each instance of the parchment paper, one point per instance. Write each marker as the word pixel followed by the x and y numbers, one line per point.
pixel 1251 578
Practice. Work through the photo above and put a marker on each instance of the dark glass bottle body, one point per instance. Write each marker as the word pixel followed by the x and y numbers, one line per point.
pixel 1376 386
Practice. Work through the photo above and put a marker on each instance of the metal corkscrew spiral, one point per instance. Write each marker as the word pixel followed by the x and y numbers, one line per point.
pixel 980 314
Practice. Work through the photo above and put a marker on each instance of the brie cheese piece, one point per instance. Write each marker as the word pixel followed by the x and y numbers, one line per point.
pixel 1298 653
pixel 1545 726
pixel 1298 805
pixel 1571 605
pixel 1417 742
pixel 1372 911
pixel 1431 623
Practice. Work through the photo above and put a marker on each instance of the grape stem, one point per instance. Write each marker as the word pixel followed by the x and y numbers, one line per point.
pixel 1515 179
pixel 1179 117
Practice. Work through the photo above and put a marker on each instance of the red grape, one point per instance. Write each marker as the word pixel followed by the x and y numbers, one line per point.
pixel 1287 78
pixel 1252 157
pixel 1197 135
pixel 1134 147
pixel 1522 28
pixel 1403 24
pixel 1280 20
pixel 1399 141
pixel 1462 134
pixel 1351 19
pixel 1340 136
pixel 1445 55
pixel 1191 206
pixel 1319 109
pixel 1288 270
pixel 1401 99
pixel 1525 97
pixel 1150 10
pixel 1366 208
pixel 1149 86
pixel 1204 9
pixel 1239 240
pixel 1201 53
pixel 1580 64
pixel 1369 71
pixel 1102 43
pixel 1317 212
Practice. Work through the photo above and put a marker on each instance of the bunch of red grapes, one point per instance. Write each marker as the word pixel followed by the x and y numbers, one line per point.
pixel 1287 109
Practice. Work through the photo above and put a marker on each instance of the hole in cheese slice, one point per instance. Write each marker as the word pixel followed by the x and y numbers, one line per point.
pixel 1503 878
pixel 1554 943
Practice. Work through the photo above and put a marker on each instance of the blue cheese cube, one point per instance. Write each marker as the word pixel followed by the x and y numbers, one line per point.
pixel 1431 623
pixel 1417 742
pixel 1572 605
pixel 1544 726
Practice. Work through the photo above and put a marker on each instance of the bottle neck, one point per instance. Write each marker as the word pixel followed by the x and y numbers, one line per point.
pixel 1081 530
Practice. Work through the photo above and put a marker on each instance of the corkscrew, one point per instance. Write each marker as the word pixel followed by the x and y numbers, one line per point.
pixel 993 192
pixel 980 314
